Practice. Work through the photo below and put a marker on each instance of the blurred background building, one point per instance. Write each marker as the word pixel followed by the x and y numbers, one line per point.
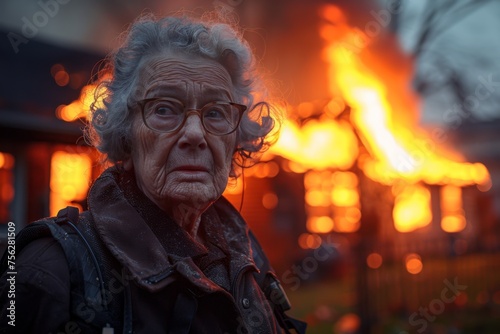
pixel 379 206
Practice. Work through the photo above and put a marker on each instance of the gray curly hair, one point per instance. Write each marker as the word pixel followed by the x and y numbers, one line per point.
pixel 111 121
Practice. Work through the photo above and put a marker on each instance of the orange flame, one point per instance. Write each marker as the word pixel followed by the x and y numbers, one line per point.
pixel 396 156
pixel 391 146
pixel 318 144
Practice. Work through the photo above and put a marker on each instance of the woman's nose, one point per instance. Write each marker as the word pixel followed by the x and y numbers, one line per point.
pixel 193 132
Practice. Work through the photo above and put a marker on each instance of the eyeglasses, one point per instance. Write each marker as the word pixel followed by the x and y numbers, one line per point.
pixel 168 115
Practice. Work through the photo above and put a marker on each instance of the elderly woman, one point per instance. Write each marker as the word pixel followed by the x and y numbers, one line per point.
pixel 160 251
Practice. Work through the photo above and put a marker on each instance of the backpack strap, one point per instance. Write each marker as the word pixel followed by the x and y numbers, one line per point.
pixel 78 251
pixel 88 292
pixel 273 290
pixel 91 281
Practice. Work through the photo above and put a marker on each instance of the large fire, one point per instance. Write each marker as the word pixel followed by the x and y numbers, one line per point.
pixel 395 155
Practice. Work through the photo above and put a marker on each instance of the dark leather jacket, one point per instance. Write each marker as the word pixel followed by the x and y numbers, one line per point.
pixel 157 259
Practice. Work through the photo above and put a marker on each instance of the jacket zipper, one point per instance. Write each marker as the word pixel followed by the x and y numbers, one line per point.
pixel 159 277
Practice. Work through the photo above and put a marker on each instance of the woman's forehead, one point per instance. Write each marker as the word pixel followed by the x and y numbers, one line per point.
pixel 181 88
pixel 175 70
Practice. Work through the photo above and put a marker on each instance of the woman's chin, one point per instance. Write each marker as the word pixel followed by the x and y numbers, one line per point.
pixel 194 194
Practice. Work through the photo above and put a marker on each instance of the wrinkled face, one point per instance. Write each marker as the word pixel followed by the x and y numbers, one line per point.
pixel 190 166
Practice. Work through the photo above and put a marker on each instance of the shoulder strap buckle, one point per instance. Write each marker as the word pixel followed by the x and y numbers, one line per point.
pixel 275 293
pixel 68 214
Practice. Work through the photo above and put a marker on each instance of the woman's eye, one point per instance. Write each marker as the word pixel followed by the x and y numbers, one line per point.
pixel 215 112
pixel 167 109
pixel 164 111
